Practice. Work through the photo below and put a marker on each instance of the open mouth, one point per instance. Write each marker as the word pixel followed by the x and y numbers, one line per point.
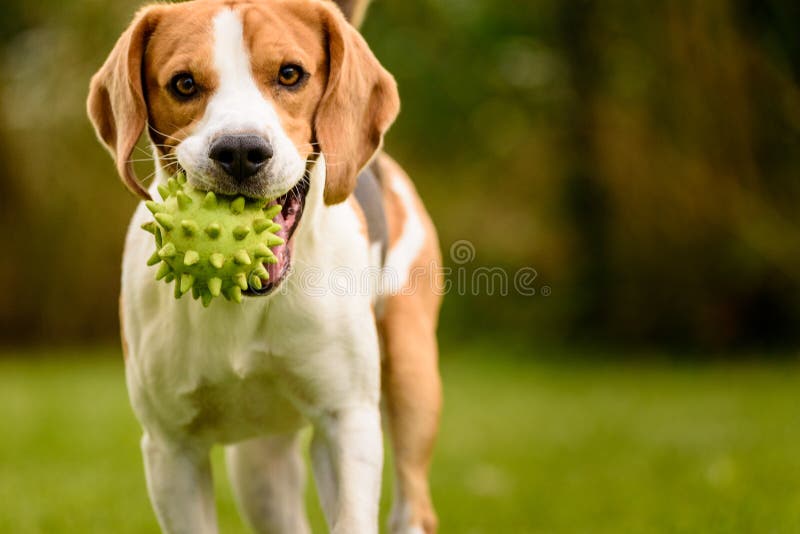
pixel 293 203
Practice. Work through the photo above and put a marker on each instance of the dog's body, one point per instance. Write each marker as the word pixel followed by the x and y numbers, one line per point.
pixel 344 323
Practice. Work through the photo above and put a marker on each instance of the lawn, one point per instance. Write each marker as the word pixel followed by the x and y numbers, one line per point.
pixel 527 445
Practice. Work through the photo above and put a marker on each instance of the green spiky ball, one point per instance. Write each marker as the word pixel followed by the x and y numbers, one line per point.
pixel 212 245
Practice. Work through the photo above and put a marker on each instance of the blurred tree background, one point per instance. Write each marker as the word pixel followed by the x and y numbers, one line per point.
pixel 644 158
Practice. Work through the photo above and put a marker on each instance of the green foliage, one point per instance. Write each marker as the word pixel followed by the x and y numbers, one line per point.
pixel 642 157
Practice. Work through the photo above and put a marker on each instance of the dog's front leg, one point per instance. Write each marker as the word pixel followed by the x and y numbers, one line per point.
pixel 347 457
pixel 180 486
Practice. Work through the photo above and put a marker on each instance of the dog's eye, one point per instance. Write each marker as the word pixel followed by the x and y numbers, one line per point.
pixel 183 85
pixel 290 75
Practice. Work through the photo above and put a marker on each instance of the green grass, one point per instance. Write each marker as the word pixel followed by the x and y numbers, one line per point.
pixel 525 446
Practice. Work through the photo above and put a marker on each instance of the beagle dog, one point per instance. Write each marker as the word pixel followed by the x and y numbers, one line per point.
pixel 278 99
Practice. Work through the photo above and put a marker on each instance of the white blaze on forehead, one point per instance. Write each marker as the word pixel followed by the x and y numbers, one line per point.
pixel 238 103
pixel 232 63
pixel 230 55
pixel 238 107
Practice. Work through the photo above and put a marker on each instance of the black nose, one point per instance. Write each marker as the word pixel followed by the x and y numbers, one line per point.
pixel 241 156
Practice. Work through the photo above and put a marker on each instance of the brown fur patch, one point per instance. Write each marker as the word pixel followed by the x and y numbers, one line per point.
pixel 410 374
pixel 181 43
pixel 389 170
pixel 359 104
pixel 116 104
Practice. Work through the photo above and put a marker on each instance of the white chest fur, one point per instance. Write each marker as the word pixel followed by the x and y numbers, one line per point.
pixel 232 371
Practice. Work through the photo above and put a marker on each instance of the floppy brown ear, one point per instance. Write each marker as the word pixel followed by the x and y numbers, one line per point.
pixel 116 104
pixel 359 104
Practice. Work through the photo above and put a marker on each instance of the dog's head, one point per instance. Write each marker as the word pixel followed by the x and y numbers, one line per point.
pixel 242 95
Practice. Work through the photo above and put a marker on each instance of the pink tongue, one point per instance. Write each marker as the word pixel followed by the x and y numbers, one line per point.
pixel 287 218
